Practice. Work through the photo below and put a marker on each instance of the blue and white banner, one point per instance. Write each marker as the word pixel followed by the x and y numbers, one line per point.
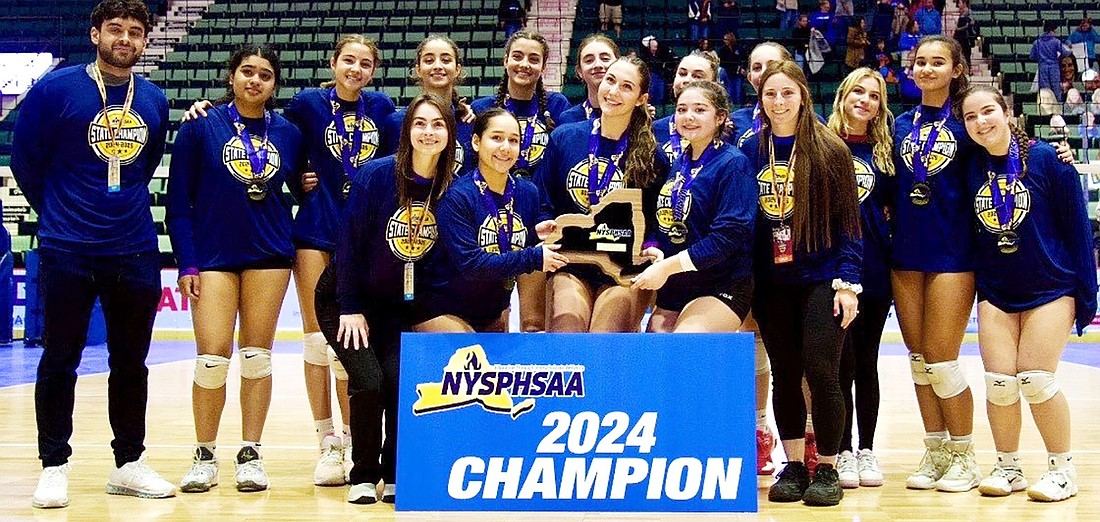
pixel 570 422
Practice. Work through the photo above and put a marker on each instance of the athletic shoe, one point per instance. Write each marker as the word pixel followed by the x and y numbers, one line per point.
pixel 389 493
pixel 363 494
pixel 1055 485
pixel 348 461
pixel 963 473
pixel 847 470
pixel 203 474
pixel 53 487
pixel 791 483
pixel 932 465
pixel 1003 481
pixel 765 443
pixel 137 479
pixel 825 489
pixel 250 470
pixel 330 466
pixel 870 475
pixel 810 454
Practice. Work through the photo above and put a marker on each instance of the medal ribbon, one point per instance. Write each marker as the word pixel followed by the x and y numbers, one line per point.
pixel 757 121
pixel 924 150
pixel 349 148
pixel 423 215
pixel 528 133
pixel 688 173
pixel 588 109
pixel 1005 202
pixel 596 184
pixel 257 159
pixel 506 227
pixel 674 140
pixel 780 197
pixel 112 131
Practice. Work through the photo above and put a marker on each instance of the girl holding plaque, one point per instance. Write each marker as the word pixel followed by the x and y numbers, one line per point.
pixel 585 161
pixel 1036 278
pixel 807 274
pixel 487 224
pixel 365 298
pixel 231 231
pixel 705 216
pixel 862 118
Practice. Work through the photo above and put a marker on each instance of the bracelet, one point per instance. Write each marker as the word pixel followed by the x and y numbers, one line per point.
pixel 840 284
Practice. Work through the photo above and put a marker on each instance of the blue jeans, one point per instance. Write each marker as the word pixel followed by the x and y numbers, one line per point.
pixel 788 19
pixel 699 30
pixel 129 289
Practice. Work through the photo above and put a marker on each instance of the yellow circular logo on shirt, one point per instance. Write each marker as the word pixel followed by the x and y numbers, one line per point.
pixel 487 232
pixel 666 215
pixel 402 232
pixel 235 159
pixel 987 212
pixel 367 149
pixel 539 140
pixel 770 199
pixel 943 151
pixel 865 178
pixel 576 181
pixel 132 135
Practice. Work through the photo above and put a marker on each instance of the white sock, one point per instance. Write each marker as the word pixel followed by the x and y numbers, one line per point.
pixel 1008 459
pixel 962 438
pixel 1062 461
pixel 347 435
pixel 324 429
pixel 809 423
pixel 938 434
pixel 762 419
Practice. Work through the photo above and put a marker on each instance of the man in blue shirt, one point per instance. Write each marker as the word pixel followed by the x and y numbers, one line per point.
pixel 87 141
pixel 1087 35
pixel 930 20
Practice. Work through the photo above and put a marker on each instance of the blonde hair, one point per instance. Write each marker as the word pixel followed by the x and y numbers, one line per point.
pixel 878 129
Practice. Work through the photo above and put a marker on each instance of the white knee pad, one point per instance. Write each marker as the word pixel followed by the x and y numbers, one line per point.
pixel 255 362
pixel 918 369
pixel 762 365
pixel 210 371
pixel 946 378
pixel 1001 389
pixel 315 349
pixel 1038 386
pixel 337 366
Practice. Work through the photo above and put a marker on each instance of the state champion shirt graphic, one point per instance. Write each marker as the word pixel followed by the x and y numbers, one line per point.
pixel 539 140
pixel 487 232
pixel 865 178
pixel 368 149
pixel 666 215
pixel 769 199
pixel 133 134
pixel 987 211
pixel 235 159
pixel 411 244
pixel 576 181
pixel 943 151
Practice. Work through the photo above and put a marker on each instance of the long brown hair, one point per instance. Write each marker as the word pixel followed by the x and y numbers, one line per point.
pixel 638 169
pixel 444 168
pixel 879 130
pixel 1018 134
pixel 825 203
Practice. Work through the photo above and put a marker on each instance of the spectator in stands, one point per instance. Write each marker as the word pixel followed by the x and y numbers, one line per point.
pixel 699 19
pixel 594 55
pixel 86 144
pixel 1067 68
pixel 1087 35
pixel 931 21
pixel 822 20
pixel 883 20
pixel 730 57
pixel 1091 80
pixel 844 9
pixel 512 16
pixel 704 46
pixel 908 40
pixel 727 17
pixel 658 58
pixel 611 11
pixel 901 20
pixel 857 43
pixel 886 68
pixel 1047 50
pixel 788 13
pixel 800 37
pixel 966 30
pixel 907 87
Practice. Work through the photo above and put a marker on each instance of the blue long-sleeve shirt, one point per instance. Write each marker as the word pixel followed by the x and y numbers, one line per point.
pixel 720 212
pixel 577 113
pixel 871 186
pixel 475 272
pixel 1054 256
pixel 939 236
pixel 373 243
pixel 1089 38
pixel 212 221
pixel 311 111
pixel 930 21
pixel 465 158
pixel 1047 49
pixel 556 103
pixel 59 159
pixel 843 260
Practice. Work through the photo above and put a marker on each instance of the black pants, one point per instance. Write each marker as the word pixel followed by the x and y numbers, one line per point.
pixel 372 385
pixel 128 287
pixel 803 338
pixel 859 365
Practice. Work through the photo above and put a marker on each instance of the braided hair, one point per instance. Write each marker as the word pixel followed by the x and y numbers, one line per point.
pixel 540 88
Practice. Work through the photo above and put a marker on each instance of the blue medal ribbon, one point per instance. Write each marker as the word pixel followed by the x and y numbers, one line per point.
pixel 689 170
pixel 349 148
pixel 257 159
pixel 757 120
pixel 674 140
pixel 596 184
pixel 528 133
pixel 1005 202
pixel 505 227
pixel 923 150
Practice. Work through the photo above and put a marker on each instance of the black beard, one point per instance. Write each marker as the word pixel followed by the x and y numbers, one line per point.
pixel 110 58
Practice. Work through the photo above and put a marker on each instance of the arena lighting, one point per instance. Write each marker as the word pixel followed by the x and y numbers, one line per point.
pixel 18 71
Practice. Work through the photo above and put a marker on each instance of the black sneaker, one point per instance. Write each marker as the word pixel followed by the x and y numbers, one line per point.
pixel 246 454
pixel 791 483
pixel 825 489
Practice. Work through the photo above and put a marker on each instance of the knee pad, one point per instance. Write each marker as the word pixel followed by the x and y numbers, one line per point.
pixel 210 371
pixel 918 369
pixel 1001 389
pixel 946 378
pixel 762 365
pixel 255 362
pixel 315 349
pixel 1038 386
pixel 337 366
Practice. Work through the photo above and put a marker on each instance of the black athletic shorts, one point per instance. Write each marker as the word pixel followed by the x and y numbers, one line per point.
pixel 736 294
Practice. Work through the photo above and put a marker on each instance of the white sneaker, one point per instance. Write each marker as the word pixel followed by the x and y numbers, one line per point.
pixel 203 474
pixel 963 473
pixel 1002 482
pixel 348 461
pixel 53 487
pixel 137 479
pixel 870 475
pixel 363 494
pixel 250 473
pixel 932 465
pixel 846 469
pixel 1055 485
pixel 389 493
pixel 330 466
